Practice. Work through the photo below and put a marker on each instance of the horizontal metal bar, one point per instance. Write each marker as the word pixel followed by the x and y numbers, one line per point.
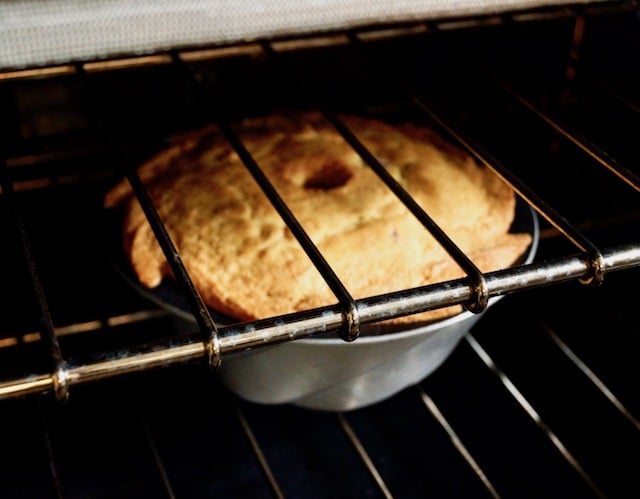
pixel 125 364
pixel 128 363
pixel 28 385
pixel 328 319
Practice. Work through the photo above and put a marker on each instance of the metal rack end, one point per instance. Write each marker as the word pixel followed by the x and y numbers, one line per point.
pixel 61 382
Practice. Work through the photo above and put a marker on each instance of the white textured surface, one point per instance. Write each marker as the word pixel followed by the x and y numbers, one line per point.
pixel 33 32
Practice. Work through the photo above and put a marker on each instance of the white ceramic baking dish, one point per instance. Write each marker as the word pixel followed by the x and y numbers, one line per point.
pixel 331 374
pixel 327 373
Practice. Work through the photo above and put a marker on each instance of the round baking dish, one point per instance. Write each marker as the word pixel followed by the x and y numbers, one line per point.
pixel 333 375
pixel 327 373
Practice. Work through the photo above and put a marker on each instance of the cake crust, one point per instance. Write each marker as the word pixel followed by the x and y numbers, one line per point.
pixel 244 260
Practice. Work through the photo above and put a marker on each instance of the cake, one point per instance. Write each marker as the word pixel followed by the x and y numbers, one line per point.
pixel 244 260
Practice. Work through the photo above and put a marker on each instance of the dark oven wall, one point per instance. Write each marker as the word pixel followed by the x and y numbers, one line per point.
pixel 538 400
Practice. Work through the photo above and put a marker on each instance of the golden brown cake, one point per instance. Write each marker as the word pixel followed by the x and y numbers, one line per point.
pixel 245 261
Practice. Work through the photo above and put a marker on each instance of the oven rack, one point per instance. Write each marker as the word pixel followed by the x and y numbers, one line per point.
pixel 586 261
pixel 496 420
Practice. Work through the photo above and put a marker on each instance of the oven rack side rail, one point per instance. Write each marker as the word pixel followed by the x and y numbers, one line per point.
pixel 213 341
pixel 286 328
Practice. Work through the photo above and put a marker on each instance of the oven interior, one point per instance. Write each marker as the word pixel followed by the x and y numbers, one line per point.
pixel 539 400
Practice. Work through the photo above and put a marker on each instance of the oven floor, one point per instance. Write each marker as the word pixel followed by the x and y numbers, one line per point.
pixel 511 413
